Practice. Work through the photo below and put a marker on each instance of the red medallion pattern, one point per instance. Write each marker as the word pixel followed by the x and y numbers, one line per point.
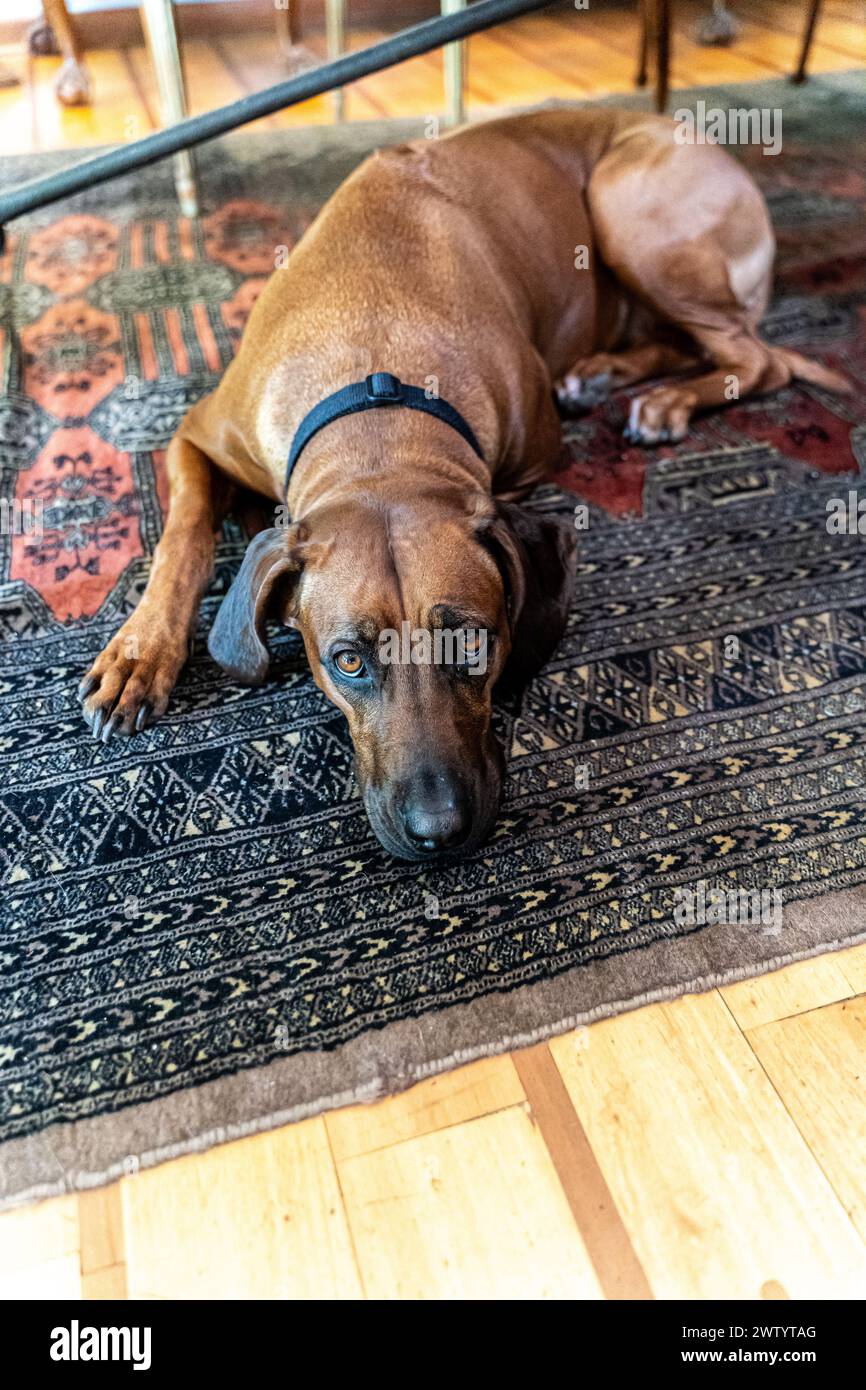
pixel 247 236
pixel 71 254
pixel 72 358
pixel 90 522
pixel 237 310
pixel 127 334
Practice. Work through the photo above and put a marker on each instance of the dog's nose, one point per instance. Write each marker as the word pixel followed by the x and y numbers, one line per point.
pixel 435 814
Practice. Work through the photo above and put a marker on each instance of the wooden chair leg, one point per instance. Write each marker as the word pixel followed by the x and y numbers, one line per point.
pixel 800 75
pixel 454 65
pixel 641 74
pixel 291 22
pixel 663 52
pixel 161 34
pixel 335 27
pixel 287 15
pixel 65 31
pixel 72 84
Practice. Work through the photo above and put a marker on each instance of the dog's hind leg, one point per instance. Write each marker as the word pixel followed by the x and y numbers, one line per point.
pixel 131 680
pixel 702 264
pixel 743 364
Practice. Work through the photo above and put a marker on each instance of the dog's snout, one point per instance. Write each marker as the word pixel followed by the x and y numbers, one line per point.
pixel 435 813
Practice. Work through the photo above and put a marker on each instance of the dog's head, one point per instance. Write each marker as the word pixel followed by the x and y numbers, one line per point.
pixel 410 614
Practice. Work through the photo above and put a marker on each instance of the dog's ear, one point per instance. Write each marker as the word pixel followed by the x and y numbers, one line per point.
pixel 537 556
pixel 236 640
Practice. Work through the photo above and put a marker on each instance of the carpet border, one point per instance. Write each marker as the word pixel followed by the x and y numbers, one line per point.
pixel 36 1154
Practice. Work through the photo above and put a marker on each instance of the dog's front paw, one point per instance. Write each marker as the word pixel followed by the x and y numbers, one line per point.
pixel 130 682
pixel 661 416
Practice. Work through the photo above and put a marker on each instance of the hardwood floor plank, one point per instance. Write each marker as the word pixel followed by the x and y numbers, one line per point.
pixel 257 63
pixel 613 1257
pixel 40 1251
pixel 100 1222
pixel 852 963
pixel 260 1218
pixel 479 1089
pixel 807 984
pixel 16 112
pixel 134 63
pixel 503 71
pixel 780 48
pixel 109 1282
pixel 717 1188
pixel 413 88
pixel 473 1212
pixel 835 35
pixel 691 64
pixel 59 1278
pixel 40 1233
pixel 604 68
pixel 209 82
pixel 362 103
pixel 554 60
pixel 817 1062
pixel 761 52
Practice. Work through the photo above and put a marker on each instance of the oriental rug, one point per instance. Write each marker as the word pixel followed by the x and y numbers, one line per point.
pixel 200 936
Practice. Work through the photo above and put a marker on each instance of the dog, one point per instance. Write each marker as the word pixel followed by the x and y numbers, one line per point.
pixel 477 278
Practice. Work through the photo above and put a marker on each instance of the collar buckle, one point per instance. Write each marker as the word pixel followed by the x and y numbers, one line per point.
pixel 383 389
pixel 378 389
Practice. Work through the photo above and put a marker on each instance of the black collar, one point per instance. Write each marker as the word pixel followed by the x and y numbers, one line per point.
pixel 378 390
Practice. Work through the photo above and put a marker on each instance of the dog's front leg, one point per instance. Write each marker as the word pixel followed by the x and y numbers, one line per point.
pixel 132 678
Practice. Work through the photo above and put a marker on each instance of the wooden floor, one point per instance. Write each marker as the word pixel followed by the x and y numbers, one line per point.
pixel 711 1147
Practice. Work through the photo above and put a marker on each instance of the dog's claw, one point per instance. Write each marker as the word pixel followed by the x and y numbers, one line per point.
pixel 635 436
pixel 583 393
pixel 661 416
pixel 598 383
pixel 142 718
pixel 110 727
pixel 88 684
pixel 98 721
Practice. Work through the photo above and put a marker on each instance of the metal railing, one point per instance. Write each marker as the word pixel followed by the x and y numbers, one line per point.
pixel 420 38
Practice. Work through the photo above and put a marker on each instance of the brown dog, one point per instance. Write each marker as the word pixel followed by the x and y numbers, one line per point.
pixel 451 263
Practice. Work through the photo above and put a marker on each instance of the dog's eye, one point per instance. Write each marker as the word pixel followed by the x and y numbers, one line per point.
pixel 350 664
pixel 473 643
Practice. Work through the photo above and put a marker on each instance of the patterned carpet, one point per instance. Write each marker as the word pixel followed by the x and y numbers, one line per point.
pixel 200 935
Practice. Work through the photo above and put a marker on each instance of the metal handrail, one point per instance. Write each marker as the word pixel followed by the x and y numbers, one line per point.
pixel 420 38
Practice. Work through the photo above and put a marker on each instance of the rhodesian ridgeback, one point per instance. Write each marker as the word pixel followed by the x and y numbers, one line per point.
pixel 478 277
